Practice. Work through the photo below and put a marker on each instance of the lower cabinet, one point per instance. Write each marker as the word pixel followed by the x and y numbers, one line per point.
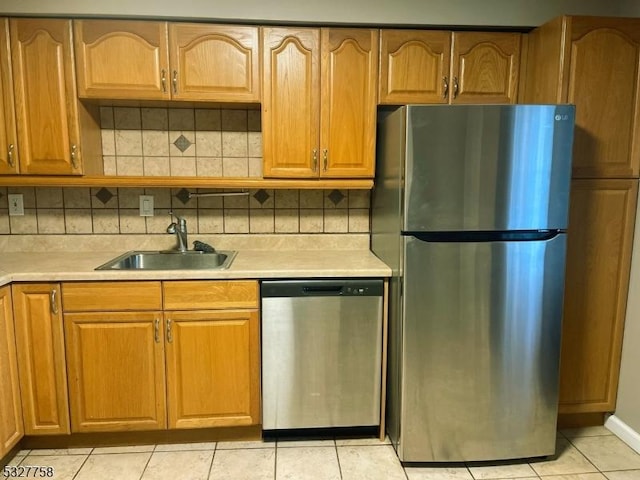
pixel 41 358
pixel 600 235
pixel 11 426
pixel 117 358
pixel 213 370
pixel 115 364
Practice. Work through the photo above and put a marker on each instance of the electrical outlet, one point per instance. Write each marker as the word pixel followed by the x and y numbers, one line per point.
pixel 16 204
pixel 146 205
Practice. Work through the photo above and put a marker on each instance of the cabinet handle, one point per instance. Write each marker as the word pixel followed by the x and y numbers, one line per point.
pixel 10 155
pixel 325 159
pixel 74 155
pixel 445 84
pixel 54 302
pixel 315 160
pixel 156 330
pixel 455 87
pixel 175 81
pixel 163 80
pixel 169 332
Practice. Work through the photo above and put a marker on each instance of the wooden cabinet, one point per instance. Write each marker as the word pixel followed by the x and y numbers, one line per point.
pixel 56 133
pixel 213 353
pixel 319 108
pixel 119 340
pixel 41 358
pixel 591 62
pixel 116 371
pixel 144 60
pixel 115 355
pixel 214 62
pixel 122 59
pixel 11 426
pixel 600 237
pixel 8 136
pixel 419 66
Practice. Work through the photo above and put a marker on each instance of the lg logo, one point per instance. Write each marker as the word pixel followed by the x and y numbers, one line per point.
pixel 561 117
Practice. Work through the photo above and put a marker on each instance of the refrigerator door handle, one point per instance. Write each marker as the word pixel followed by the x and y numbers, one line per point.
pixel 486 236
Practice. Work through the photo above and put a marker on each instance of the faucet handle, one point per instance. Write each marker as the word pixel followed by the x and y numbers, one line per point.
pixel 181 220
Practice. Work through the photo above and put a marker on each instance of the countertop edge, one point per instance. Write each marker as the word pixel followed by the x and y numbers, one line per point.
pixel 247 265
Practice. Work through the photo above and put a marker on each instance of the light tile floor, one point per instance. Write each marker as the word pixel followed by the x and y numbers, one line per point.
pixel 583 454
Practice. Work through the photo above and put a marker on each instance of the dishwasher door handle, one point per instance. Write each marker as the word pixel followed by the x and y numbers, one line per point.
pixel 323 290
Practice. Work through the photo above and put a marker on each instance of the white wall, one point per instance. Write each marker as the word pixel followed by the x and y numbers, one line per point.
pixel 628 407
pixel 407 12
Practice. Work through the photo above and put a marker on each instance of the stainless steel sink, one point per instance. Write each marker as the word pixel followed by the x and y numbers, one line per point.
pixel 170 260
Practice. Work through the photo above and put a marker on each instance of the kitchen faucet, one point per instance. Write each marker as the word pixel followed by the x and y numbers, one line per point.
pixel 180 229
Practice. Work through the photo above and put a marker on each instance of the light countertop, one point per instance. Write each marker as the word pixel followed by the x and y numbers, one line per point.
pixel 258 264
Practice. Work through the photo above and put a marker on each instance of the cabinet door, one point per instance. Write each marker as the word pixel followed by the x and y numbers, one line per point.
pixel 484 67
pixel 8 142
pixel 45 93
pixel 122 59
pixel 349 67
pixel 116 371
pixel 41 359
pixel 414 66
pixel 291 102
pixel 603 84
pixel 213 368
pixel 11 427
pixel 600 235
pixel 214 62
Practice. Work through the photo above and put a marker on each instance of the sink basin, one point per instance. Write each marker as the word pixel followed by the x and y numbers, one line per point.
pixel 170 260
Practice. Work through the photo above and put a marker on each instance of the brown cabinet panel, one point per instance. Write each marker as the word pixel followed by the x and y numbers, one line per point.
pixel 215 294
pixel 111 296
pixel 214 62
pixel 11 426
pixel 432 67
pixel 213 368
pixel 291 102
pixel 122 59
pixel 41 358
pixel 45 94
pixel 116 371
pixel 591 62
pixel 8 136
pixel 414 66
pixel 485 67
pixel 600 238
pixel 603 83
pixel 348 102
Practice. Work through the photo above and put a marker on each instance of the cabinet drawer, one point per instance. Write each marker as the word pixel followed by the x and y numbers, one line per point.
pixel 198 295
pixel 111 296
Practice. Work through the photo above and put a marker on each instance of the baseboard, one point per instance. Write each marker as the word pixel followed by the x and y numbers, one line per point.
pixel 624 432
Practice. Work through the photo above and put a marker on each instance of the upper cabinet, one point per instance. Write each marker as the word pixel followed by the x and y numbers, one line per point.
pixel 591 62
pixel 8 136
pixel 56 134
pixel 122 59
pixel 319 102
pixel 421 66
pixel 158 61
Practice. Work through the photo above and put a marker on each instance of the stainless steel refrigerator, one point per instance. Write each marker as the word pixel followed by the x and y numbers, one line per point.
pixel 470 210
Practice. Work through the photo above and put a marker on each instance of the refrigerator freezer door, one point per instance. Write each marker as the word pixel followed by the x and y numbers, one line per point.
pixel 487 167
pixel 481 342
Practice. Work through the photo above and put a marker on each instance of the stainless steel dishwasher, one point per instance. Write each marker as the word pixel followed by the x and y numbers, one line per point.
pixel 321 353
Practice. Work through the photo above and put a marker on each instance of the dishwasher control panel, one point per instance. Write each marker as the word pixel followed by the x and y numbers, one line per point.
pixel 363 287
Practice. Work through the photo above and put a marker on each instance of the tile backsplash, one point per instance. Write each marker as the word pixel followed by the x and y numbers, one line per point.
pixel 116 211
pixel 181 142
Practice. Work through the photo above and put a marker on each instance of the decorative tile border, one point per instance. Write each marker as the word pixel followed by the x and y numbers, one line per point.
pixel 116 211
